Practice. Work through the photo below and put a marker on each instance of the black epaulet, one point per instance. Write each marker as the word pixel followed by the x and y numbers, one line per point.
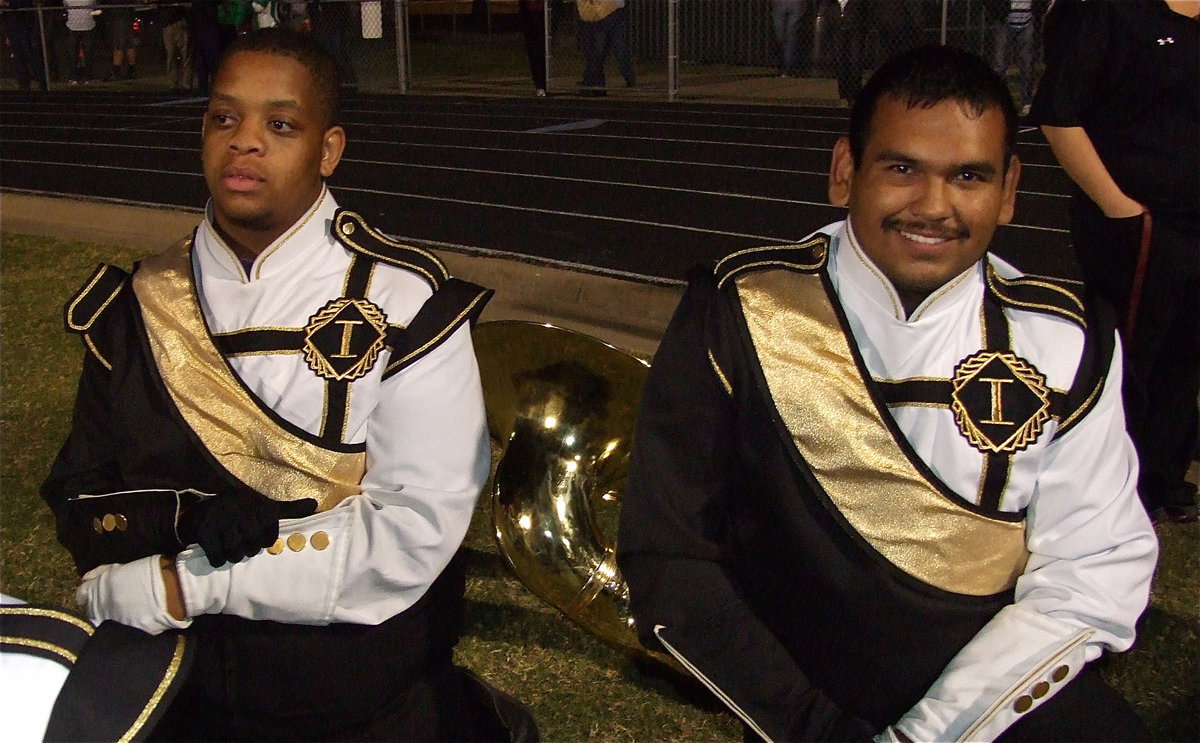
pixel 455 303
pixel 96 295
pixel 1039 294
pixel 91 302
pixel 351 230
pixel 807 257
pixel 1099 345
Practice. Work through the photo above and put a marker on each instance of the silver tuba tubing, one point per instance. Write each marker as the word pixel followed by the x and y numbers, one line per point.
pixel 562 406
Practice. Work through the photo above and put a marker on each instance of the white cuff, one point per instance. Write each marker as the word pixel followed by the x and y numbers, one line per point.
pixel 1017 661
pixel 293 581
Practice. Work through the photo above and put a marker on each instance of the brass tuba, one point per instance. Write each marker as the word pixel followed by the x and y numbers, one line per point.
pixel 562 406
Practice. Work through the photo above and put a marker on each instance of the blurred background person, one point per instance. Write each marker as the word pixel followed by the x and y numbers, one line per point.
pixel 848 26
pixel 1119 103
pixel 20 28
pixel 532 15
pixel 81 28
pixel 122 39
pixel 602 30
pixel 786 16
pixel 176 44
pixel 1014 39
pixel 266 13
pixel 205 35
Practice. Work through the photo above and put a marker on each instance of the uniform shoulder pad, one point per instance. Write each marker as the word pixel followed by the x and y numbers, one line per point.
pixel 352 231
pixel 96 295
pixel 807 257
pixel 457 302
pixel 1044 294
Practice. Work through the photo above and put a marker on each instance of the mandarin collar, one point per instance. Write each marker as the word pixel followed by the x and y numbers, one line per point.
pixel 855 272
pixel 309 233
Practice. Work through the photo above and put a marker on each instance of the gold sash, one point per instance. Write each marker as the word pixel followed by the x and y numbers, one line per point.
pixel 243 438
pixel 839 430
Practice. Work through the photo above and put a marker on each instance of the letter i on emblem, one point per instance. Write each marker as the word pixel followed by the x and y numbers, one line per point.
pixel 347 334
pixel 997 401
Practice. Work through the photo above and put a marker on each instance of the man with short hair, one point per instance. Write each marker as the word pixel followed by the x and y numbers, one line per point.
pixel 279 440
pixel 881 484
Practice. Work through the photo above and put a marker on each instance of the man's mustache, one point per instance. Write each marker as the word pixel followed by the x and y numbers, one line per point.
pixel 932 229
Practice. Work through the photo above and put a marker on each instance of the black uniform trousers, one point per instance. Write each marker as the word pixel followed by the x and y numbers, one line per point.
pixel 1162 356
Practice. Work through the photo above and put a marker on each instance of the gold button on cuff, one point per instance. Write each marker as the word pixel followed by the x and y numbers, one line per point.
pixel 122 522
pixel 97 525
pixel 348 228
pixel 1040 689
pixel 296 542
pixel 819 252
pixel 1060 673
pixel 1023 703
pixel 319 540
pixel 276 548
pixel 109 521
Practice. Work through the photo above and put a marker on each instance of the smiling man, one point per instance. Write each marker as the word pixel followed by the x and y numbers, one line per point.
pixel 881 485
pixel 279 440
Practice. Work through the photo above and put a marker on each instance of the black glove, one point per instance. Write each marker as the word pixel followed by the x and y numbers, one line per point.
pixel 235 524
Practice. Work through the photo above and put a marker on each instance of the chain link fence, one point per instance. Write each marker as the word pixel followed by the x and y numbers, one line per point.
pixel 735 49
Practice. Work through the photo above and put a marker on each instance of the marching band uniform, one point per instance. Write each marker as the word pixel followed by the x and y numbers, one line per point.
pixel 927 521
pixel 337 366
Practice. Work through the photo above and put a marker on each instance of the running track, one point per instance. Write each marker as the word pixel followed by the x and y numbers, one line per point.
pixel 636 189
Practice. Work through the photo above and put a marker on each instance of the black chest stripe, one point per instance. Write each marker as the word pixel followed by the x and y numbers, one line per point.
pixel 339 348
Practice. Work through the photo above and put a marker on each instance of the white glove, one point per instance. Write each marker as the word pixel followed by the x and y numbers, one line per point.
pixel 132 594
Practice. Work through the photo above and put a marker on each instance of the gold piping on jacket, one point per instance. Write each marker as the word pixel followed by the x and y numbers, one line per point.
pixel 163 685
pixel 834 422
pixel 243 438
pixel 31 611
pixel 49 647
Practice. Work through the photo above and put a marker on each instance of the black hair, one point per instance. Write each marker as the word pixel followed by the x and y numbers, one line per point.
pixel 306 50
pixel 926 76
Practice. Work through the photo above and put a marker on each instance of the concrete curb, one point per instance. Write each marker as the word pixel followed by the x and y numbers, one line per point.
pixel 630 315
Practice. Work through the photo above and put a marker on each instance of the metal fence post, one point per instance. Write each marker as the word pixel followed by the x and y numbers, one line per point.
pixel 45 51
pixel 672 49
pixel 547 39
pixel 945 20
pixel 403 61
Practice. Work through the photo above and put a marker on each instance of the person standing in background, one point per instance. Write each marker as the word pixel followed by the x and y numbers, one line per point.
pixel 532 15
pixel 1119 103
pixel 786 16
pixel 602 30
pixel 20 28
pixel 206 42
pixel 81 27
pixel 122 40
pixel 266 13
pixel 176 44
pixel 1014 34
pixel 848 21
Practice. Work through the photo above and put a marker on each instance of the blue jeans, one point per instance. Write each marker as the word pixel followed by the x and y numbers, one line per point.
pixel 1022 40
pixel 787 15
pixel 597 39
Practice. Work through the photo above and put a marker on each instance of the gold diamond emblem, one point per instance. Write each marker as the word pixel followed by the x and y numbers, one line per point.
pixel 1000 401
pixel 343 340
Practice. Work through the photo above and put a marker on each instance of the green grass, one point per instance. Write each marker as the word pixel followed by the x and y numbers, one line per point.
pixel 579 688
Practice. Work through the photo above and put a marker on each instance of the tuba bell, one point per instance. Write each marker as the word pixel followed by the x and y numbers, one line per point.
pixel 561 406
